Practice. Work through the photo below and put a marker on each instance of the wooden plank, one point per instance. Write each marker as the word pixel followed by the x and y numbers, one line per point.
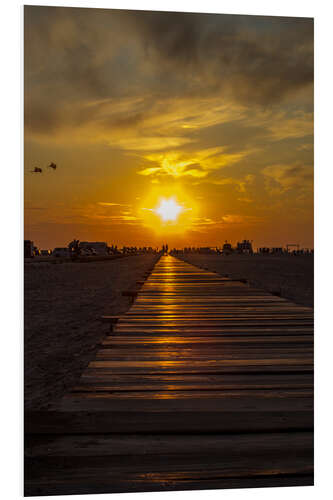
pixel 165 330
pixel 195 322
pixel 149 342
pixel 107 397
pixel 180 309
pixel 93 445
pixel 197 382
pixel 203 352
pixel 208 349
pixel 218 401
pixel 152 318
pixel 287 417
pixel 208 381
pixel 87 484
pixel 201 364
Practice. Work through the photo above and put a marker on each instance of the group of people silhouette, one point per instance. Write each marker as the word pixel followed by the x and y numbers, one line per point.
pixel 165 248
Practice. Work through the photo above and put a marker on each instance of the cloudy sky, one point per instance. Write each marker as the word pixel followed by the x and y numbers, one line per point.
pixel 214 111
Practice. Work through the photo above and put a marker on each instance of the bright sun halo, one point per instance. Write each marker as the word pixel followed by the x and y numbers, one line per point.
pixel 168 209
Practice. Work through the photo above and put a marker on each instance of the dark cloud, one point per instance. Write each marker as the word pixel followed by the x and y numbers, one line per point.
pixel 174 36
pixel 75 55
pixel 257 59
pixel 40 117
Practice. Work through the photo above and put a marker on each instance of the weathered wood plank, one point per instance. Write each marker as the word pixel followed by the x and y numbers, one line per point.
pixel 160 482
pixel 202 365
pixel 173 381
pixel 203 422
pixel 124 445
pixel 148 342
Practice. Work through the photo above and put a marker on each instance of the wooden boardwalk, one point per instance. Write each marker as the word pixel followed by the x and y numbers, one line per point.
pixel 204 383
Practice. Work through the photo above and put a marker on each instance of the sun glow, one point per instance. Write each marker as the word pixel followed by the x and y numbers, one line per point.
pixel 168 209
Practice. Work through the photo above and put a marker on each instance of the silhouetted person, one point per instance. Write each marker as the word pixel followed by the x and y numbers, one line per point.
pixel 74 249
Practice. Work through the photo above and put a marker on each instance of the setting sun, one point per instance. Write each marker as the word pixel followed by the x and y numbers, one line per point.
pixel 168 209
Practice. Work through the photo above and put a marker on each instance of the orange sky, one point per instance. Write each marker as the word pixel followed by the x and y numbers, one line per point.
pixel 214 111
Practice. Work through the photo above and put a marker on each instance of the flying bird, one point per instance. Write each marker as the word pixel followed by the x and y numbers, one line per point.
pixel 52 165
pixel 37 170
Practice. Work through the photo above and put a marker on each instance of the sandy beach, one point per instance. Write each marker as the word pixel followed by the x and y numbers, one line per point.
pixel 290 277
pixel 62 305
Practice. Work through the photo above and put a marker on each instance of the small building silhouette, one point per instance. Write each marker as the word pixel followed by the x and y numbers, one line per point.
pixel 264 250
pixel 245 247
pixel 100 247
pixel 227 248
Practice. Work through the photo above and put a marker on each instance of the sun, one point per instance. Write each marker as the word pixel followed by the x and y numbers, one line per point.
pixel 168 209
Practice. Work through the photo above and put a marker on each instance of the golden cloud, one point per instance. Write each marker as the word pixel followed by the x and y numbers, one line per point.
pixel 197 164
